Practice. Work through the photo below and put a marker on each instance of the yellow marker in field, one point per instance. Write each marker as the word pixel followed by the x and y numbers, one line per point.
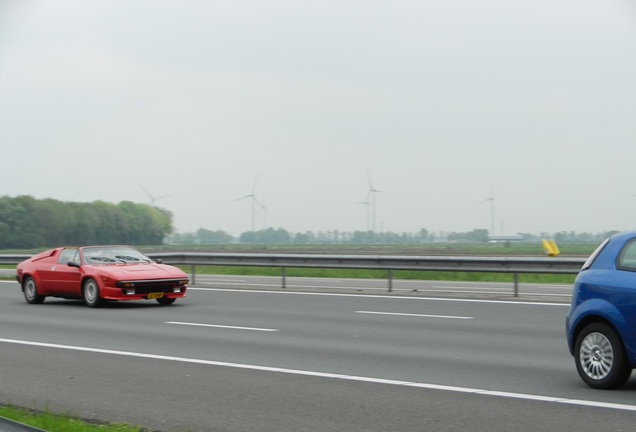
pixel 555 248
pixel 550 247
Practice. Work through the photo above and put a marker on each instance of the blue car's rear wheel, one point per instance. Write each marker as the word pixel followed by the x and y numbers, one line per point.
pixel 600 357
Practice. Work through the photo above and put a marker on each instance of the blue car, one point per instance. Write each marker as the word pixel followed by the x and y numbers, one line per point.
pixel 601 322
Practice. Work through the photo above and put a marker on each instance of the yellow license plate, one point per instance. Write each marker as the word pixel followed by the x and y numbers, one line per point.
pixel 155 295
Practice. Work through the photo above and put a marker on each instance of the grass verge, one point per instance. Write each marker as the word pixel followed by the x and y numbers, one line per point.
pixel 52 422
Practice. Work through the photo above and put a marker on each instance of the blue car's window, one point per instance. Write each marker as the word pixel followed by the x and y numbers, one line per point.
pixel 590 260
pixel 627 258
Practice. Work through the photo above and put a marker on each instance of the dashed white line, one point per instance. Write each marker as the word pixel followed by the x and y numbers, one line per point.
pixel 415 315
pixel 222 326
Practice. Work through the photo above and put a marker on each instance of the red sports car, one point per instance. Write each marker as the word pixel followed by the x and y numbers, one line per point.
pixel 97 274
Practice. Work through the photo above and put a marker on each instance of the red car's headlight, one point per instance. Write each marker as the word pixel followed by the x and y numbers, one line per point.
pixel 107 281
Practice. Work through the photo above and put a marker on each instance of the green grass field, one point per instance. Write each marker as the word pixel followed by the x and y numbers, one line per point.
pixel 460 249
pixel 52 422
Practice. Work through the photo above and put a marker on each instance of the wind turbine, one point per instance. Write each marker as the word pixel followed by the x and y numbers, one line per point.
pixel 492 210
pixel 254 203
pixel 366 204
pixel 152 198
pixel 371 198
pixel 265 211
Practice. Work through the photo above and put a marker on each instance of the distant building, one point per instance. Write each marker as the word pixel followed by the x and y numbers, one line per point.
pixel 505 238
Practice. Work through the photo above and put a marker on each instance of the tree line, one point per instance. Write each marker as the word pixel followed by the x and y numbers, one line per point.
pixel 26 223
pixel 281 236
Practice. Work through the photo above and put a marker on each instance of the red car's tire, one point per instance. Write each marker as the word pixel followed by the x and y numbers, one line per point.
pixel 165 301
pixel 90 291
pixel 30 290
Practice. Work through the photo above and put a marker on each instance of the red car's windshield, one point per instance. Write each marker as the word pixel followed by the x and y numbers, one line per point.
pixel 112 254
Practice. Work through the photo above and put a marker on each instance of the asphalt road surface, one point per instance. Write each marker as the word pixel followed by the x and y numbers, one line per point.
pixel 246 360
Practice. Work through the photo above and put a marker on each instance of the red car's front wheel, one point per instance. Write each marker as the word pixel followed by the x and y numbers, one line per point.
pixel 91 293
pixel 165 301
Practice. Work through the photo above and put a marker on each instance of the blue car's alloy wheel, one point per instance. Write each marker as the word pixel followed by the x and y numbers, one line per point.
pixel 600 357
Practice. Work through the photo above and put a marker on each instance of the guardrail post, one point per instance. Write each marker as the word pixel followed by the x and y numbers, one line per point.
pixel 390 273
pixel 192 272
pixel 515 276
pixel 284 276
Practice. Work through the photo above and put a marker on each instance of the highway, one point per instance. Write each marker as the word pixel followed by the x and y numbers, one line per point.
pixel 229 359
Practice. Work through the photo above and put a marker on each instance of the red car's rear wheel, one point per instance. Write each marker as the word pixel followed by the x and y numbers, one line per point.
pixel 30 290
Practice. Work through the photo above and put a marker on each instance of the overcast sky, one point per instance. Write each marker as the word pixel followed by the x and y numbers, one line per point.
pixel 441 104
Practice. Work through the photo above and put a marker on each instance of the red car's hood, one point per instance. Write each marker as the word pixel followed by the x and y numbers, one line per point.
pixel 141 271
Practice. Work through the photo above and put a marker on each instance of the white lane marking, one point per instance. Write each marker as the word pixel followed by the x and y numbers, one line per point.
pixel 455 291
pixel 288 285
pixel 300 278
pixel 221 326
pixel 445 289
pixel 223 280
pixel 512 302
pixel 415 315
pixel 277 285
pixel 475 391
pixel 471 288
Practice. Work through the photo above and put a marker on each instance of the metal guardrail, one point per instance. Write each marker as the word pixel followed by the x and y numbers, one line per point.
pixel 390 263
pixel 13 259
pixel 510 265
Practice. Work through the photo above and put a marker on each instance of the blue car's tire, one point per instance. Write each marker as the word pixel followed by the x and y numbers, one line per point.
pixel 600 357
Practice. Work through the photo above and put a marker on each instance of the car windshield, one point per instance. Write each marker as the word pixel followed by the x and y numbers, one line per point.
pixel 113 254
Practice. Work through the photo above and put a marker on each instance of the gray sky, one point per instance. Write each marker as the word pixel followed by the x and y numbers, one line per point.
pixel 442 103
